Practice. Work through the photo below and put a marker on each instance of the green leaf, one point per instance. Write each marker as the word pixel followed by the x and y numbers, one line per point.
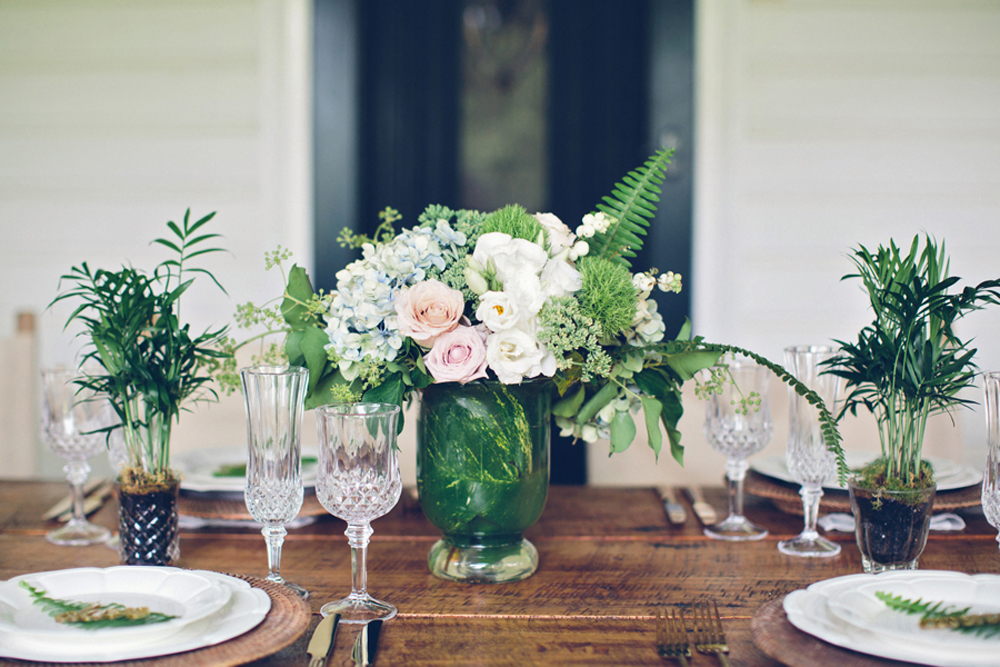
pixel 313 346
pixel 298 292
pixel 570 405
pixel 605 395
pixel 687 363
pixel 622 431
pixel 651 409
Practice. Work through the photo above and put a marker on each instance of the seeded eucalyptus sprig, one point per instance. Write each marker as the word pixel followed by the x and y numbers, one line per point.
pixel 151 361
pixel 93 615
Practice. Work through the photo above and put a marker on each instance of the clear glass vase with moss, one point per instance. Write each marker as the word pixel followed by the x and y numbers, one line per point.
pixel 149 365
pixel 907 365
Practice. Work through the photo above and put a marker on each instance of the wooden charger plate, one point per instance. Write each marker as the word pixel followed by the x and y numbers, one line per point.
pixel 287 620
pixel 787 498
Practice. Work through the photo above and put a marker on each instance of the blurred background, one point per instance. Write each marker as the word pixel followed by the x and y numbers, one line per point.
pixel 802 128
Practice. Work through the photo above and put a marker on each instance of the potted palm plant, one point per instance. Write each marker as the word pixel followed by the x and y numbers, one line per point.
pixel 907 365
pixel 149 365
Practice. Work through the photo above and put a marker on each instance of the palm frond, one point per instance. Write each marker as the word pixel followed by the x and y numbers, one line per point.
pixel 631 205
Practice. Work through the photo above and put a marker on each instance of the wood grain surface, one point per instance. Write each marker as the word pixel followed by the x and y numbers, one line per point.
pixel 608 557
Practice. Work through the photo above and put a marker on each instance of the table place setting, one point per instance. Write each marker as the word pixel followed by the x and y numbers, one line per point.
pixel 881 616
pixel 197 609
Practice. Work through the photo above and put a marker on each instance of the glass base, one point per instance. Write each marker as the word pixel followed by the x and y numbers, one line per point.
pixel 735 529
pixel 359 609
pixel 868 566
pixel 806 547
pixel 483 563
pixel 295 588
pixel 78 534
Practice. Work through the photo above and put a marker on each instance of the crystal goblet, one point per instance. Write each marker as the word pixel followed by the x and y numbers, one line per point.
pixel 991 474
pixel 274 398
pixel 809 462
pixel 358 481
pixel 738 424
pixel 72 415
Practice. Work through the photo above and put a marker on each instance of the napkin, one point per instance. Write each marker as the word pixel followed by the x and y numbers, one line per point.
pixel 845 522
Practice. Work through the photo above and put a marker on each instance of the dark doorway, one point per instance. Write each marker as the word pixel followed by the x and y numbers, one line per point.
pixel 479 103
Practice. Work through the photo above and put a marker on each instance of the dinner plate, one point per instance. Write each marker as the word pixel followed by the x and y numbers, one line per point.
pixel 810 611
pixel 860 608
pixel 184 594
pixel 246 608
pixel 197 467
pixel 948 474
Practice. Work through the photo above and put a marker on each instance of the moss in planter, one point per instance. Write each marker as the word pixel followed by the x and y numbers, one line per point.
pixel 874 476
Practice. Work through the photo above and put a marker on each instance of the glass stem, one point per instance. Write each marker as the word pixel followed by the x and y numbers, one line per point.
pixel 275 536
pixel 810 510
pixel 77 473
pixel 736 470
pixel 358 536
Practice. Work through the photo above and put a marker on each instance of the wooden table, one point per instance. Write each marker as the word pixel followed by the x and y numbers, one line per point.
pixel 608 557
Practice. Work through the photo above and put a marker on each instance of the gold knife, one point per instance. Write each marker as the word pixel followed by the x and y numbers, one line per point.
pixel 322 640
pixel 67 502
pixel 704 511
pixel 675 511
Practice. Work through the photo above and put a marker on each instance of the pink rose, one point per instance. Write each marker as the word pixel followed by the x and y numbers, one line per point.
pixel 457 356
pixel 427 310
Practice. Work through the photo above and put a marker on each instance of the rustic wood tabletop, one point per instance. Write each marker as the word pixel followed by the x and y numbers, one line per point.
pixel 608 559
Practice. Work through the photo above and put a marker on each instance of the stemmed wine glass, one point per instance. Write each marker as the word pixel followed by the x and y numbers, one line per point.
pixel 809 462
pixel 274 398
pixel 991 475
pixel 358 482
pixel 71 417
pixel 738 424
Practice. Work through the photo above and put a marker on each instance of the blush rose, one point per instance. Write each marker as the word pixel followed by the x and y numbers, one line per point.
pixel 427 310
pixel 457 356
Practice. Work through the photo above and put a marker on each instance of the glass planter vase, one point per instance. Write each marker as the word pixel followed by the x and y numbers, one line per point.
pixel 483 476
pixel 147 491
pixel 890 526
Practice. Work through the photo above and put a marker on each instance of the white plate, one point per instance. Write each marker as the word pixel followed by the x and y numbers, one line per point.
pixel 246 608
pixel 860 608
pixel 948 474
pixel 188 595
pixel 197 466
pixel 809 611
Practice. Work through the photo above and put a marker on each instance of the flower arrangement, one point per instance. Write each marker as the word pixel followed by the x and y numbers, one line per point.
pixel 466 295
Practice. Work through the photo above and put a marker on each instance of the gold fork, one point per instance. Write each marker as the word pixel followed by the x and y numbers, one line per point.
pixel 671 636
pixel 708 634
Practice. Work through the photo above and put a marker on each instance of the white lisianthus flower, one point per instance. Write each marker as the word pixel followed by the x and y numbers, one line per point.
pixel 509 256
pixel 498 311
pixel 558 233
pixel 560 279
pixel 515 355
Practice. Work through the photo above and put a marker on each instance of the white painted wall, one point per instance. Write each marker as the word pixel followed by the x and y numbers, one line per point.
pixel 116 116
pixel 822 124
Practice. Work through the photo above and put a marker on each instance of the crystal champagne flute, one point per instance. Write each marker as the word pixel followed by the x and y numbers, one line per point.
pixel 991 475
pixel 358 482
pixel 274 398
pixel 738 424
pixel 809 462
pixel 71 415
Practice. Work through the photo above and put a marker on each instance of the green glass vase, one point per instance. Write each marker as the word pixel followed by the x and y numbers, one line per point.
pixel 483 476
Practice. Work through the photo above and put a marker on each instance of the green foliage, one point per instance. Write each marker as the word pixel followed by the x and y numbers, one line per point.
pixel 98 616
pixel 152 362
pixel 631 205
pixel 940 615
pixel 514 221
pixel 909 363
pixel 383 233
pixel 607 295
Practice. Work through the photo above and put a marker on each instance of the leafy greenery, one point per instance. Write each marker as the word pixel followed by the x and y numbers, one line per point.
pixel 514 221
pixel 607 295
pixel 909 363
pixel 93 615
pixel 151 361
pixel 938 615
pixel 631 205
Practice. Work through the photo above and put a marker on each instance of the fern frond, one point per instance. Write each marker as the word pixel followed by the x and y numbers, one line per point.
pixel 631 205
